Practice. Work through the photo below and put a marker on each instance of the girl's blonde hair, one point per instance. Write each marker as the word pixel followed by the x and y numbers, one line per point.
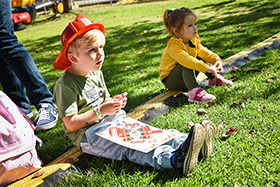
pixel 174 18
pixel 89 38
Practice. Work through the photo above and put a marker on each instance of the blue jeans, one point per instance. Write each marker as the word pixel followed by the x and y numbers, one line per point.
pixel 158 158
pixel 17 68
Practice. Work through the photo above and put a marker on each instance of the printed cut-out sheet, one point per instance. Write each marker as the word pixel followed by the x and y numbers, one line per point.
pixel 137 135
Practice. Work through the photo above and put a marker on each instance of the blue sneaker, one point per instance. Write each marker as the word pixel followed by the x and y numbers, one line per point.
pixel 208 145
pixel 186 156
pixel 45 118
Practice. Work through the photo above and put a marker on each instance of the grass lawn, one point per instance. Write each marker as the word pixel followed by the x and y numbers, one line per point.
pixel 135 40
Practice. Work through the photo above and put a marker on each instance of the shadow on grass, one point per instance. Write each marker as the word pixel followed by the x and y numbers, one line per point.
pixel 140 45
pixel 244 15
pixel 106 167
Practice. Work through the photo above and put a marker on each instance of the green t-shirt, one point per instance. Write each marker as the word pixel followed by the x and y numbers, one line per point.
pixel 75 95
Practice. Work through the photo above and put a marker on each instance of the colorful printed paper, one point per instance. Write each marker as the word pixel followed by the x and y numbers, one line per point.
pixel 137 135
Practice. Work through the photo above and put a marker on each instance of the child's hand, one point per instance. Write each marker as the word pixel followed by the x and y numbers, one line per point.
pixel 122 97
pixel 111 106
pixel 219 67
pixel 212 69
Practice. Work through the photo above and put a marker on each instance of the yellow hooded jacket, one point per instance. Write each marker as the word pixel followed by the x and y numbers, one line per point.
pixel 178 52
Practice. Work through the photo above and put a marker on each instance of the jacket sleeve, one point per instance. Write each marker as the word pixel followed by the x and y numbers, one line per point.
pixel 207 55
pixel 182 57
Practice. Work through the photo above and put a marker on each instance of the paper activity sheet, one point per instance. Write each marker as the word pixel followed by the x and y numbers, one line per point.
pixel 137 135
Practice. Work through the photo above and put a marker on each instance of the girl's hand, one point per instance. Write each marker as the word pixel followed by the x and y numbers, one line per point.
pixel 219 67
pixel 122 97
pixel 212 69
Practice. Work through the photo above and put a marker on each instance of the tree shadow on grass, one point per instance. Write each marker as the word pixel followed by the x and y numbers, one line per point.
pixel 140 46
pixel 245 18
pixel 137 49
pixel 103 167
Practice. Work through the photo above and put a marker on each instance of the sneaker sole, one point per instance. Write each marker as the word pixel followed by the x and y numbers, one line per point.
pixel 196 144
pixel 45 127
pixel 30 115
pixel 209 142
pixel 194 101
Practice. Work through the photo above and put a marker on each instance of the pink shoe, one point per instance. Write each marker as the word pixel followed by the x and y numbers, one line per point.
pixel 199 95
pixel 220 81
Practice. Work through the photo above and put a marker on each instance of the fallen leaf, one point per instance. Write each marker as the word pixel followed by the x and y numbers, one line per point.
pixel 229 132
pixel 209 104
pixel 190 124
pixel 233 79
pixel 269 80
pixel 274 77
pixel 234 68
pixel 112 58
pixel 243 105
pixel 219 126
pixel 249 69
pixel 266 71
pixel 244 97
pixel 38 174
pixel 213 101
pixel 201 111
pixel 252 132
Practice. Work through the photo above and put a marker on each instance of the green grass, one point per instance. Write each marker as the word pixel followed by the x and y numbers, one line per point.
pixel 135 41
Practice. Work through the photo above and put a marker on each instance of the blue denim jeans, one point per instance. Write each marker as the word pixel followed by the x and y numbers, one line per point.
pixel 17 68
pixel 158 158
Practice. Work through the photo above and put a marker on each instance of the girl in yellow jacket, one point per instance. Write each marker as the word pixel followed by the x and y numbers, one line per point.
pixel 180 65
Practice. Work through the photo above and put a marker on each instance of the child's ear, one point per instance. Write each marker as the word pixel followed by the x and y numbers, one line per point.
pixel 176 31
pixel 72 57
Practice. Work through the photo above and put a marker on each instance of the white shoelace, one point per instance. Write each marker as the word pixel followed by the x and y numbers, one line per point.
pixel 43 114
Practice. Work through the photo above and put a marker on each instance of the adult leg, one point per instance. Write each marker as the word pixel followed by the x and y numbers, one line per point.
pixel 22 64
pixel 20 61
pixel 13 88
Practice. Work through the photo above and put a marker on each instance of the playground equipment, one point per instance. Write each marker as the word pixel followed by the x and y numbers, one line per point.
pixel 24 11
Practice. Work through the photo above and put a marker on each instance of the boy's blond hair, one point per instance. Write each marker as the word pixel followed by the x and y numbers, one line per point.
pixel 89 38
